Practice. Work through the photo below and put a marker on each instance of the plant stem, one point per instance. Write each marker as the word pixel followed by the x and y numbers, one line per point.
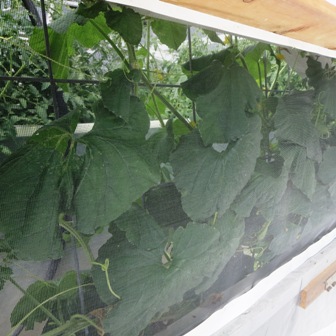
pixel 64 224
pixel 144 78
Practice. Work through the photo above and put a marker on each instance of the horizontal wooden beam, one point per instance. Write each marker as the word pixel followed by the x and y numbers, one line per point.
pixel 173 12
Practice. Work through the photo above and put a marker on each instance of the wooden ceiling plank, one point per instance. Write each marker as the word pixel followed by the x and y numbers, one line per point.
pixel 163 9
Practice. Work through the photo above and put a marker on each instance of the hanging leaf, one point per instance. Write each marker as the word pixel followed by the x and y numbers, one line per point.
pixel 292 121
pixel 225 56
pixel 213 36
pixel 171 34
pixel 116 93
pixel 223 105
pixel 127 23
pixel 210 180
pixel 148 283
pixel 118 167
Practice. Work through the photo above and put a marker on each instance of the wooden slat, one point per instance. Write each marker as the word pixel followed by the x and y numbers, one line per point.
pixel 316 287
pixel 312 21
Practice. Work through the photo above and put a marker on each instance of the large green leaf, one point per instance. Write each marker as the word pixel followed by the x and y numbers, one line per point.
pixel 29 203
pixel 211 178
pixel 264 190
pixel 301 169
pixel 293 123
pixel 118 167
pixel 127 23
pixel 171 34
pixel 232 92
pixel 148 284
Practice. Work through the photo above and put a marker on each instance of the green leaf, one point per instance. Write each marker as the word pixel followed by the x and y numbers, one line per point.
pixel 117 169
pixel 116 94
pixel 35 171
pixel 197 64
pixel 292 121
pixel 5 274
pixel 223 105
pixel 301 168
pixel 149 285
pixel 210 180
pixel 62 34
pixel 213 36
pixel 326 172
pixel 40 291
pixel 141 230
pixel 252 55
pixel 162 142
pixel 171 34
pixel 127 23
pixel 264 190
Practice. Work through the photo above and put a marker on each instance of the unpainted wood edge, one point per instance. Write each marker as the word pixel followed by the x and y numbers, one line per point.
pixel 316 287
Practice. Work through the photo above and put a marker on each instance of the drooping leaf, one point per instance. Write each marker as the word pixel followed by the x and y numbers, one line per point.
pixel 293 123
pixel 210 180
pixel 225 56
pixel 127 23
pixel 118 167
pixel 116 94
pixel 213 36
pixel 149 285
pixel 223 105
pixel 171 34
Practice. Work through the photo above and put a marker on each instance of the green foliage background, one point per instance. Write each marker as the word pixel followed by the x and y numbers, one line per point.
pixel 242 164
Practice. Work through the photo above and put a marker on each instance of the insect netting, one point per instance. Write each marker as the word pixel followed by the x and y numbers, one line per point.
pixel 150 172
